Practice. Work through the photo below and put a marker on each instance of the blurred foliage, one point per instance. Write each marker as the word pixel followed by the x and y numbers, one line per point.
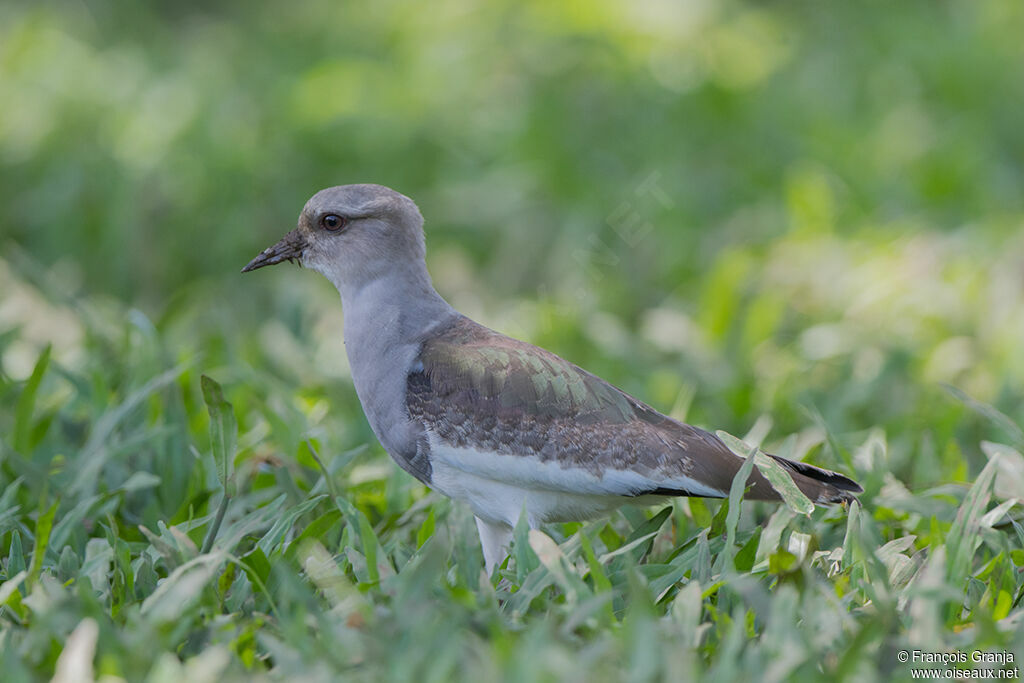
pixel 734 210
pixel 156 144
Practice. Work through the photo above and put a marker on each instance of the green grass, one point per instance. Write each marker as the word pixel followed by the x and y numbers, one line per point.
pixel 129 509
pixel 798 222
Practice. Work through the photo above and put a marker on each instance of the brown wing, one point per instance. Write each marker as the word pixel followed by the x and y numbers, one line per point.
pixel 475 388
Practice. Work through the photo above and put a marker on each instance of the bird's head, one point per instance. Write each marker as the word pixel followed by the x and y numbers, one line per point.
pixel 352 234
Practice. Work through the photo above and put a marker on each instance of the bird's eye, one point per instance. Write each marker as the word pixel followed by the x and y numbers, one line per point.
pixel 333 222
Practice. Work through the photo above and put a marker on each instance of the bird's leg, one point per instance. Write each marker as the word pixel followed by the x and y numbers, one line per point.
pixel 495 540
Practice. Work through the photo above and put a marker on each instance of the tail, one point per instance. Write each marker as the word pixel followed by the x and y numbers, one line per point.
pixel 818 484
pixel 821 486
pixel 711 464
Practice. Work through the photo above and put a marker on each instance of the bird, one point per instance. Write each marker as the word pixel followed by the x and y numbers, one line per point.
pixel 502 425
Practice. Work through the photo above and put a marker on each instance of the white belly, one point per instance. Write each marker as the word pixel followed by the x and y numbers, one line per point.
pixel 499 502
pixel 498 487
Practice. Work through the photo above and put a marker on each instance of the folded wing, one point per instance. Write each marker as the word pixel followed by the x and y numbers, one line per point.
pixel 511 411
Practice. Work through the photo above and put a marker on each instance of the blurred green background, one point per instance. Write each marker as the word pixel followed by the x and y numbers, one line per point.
pixel 798 221
pixel 735 207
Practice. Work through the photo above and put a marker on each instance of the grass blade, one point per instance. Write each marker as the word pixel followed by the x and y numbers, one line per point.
pixel 42 540
pixel 223 432
pixel 27 402
pixel 780 480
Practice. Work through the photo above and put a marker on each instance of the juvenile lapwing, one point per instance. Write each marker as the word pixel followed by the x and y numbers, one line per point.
pixel 498 423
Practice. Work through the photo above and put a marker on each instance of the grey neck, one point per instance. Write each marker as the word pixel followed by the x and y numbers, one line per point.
pixel 394 308
pixel 386 320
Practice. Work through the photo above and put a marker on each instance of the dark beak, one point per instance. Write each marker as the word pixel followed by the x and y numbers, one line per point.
pixel 290 248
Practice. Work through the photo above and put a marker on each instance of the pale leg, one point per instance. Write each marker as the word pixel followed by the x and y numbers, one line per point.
pixel 495 540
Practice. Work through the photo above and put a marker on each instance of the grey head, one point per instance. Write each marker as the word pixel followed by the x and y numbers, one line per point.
pixel 368 241
pixel 353 234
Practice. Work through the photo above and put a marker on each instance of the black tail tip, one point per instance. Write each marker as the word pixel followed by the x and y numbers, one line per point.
pixel 843 498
